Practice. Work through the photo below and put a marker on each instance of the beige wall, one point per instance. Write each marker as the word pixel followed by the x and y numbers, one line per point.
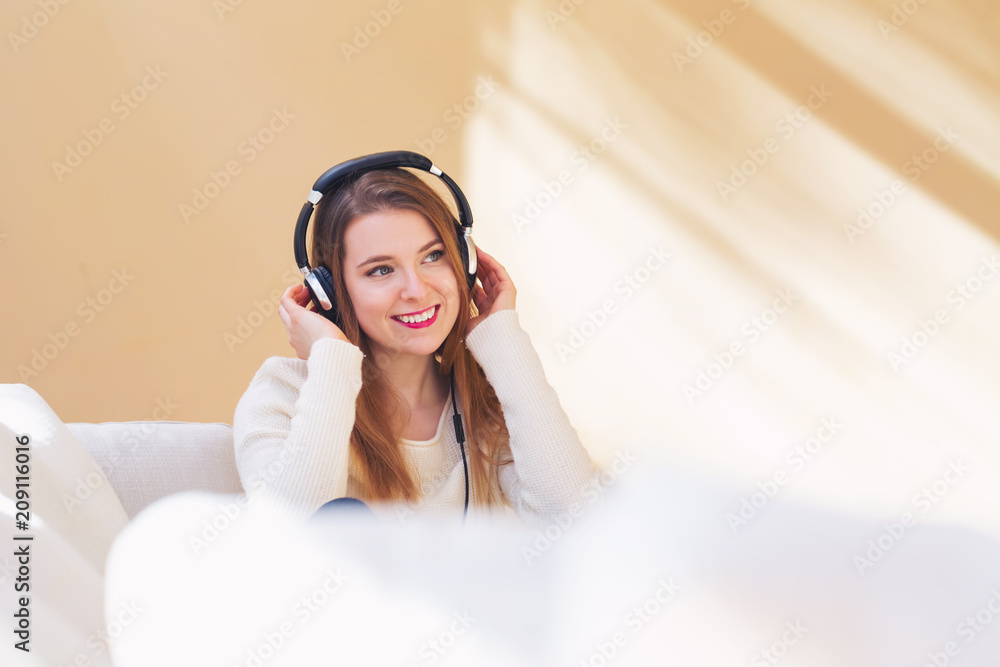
pixel 665 133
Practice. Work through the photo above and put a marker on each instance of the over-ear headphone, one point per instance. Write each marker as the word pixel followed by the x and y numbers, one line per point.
pixel 319 281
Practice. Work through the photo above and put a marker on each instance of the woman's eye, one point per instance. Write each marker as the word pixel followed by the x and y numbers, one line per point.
pixel 376 272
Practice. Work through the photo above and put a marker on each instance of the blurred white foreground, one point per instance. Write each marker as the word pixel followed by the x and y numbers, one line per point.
pixel 652 573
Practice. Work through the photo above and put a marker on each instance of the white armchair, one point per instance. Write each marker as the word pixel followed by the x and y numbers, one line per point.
pixel 85 483
pixel 147 460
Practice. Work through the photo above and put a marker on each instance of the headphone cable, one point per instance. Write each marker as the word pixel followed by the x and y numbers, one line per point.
pixel 460 436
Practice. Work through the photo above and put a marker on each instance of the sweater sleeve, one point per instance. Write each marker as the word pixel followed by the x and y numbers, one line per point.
pixel 292 427
pixel 551 468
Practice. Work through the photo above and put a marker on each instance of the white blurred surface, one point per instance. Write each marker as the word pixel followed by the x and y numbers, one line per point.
pixel 651 564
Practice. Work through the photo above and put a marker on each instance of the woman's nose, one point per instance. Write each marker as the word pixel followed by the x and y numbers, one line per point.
pixel 415 286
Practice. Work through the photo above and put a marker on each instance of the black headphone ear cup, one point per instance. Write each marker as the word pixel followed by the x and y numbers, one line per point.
pixel 325 280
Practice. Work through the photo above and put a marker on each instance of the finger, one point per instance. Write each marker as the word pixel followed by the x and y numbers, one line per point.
pixel 495 268
pixel 490 262
pixel 290 304
pixel 497 271
pixel 478 295
pixel 488 281
pixel 291 301
pixel 483 273
pixel 485 301
pixel 500 280
pixel 480 303
pixel 483 260
pixel 482 257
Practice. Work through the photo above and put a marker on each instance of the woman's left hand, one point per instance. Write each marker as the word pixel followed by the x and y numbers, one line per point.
pixel 497 292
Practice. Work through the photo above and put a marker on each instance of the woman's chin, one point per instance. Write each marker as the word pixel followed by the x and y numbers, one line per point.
pixel 422 348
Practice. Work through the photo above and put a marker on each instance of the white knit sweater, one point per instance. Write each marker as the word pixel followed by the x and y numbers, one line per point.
pixel 292 428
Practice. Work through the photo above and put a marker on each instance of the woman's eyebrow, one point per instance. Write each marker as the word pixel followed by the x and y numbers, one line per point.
pixel 385 258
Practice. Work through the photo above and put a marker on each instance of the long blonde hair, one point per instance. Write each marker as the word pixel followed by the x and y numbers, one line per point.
pixel 375 440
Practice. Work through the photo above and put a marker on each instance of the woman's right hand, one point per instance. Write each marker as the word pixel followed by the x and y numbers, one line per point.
pixel 305 326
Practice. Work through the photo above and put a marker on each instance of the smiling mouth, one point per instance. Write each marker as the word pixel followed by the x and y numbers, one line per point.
pixel 422 319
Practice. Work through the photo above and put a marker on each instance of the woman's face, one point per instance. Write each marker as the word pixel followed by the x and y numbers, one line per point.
pixel 395 264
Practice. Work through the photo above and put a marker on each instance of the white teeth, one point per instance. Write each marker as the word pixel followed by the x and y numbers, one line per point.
pixel 426 315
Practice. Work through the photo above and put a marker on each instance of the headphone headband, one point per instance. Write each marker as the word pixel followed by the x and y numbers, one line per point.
pixel 333 178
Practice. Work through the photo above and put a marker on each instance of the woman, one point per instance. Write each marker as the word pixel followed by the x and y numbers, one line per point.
pixel 364 410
